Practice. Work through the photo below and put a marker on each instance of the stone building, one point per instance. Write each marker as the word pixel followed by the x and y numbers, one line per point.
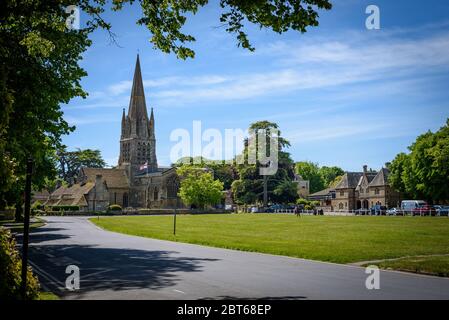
pixel 137 181
pixel 359 190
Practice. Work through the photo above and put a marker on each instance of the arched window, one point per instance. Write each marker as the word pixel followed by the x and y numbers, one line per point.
pixel 340 205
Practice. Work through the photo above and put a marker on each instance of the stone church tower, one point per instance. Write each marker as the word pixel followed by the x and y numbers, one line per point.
pixel 137 140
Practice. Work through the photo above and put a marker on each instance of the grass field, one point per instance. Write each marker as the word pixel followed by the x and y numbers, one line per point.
pixel 325 238
pixel 431 265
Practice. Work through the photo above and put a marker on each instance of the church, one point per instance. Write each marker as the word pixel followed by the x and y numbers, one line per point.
pixel 137 181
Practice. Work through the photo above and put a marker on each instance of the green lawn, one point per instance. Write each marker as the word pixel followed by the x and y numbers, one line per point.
pixel 325 238
pixel 432 265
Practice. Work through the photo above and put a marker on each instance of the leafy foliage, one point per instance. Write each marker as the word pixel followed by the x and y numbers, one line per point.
pixel 198 187
pixel 166 18
pixel 11 270
pixel 222 170
pixel 38 71
pixel 69 162
pixel 248 189
pixel 424 171
pixel 319 177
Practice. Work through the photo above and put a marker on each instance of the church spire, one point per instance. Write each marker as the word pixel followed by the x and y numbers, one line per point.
pixel 137 107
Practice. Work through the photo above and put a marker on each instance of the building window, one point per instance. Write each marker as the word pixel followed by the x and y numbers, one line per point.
pixel 361 190
pixel 376 191
pixel 340 205
pixel 342 193
pixel 346 204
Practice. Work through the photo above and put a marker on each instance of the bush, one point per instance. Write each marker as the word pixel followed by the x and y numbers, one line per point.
pixel 114 207
pixel 11 269
pixel 65 208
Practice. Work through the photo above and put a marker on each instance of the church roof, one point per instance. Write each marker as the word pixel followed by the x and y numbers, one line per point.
pixel 115 178
pixel 381 179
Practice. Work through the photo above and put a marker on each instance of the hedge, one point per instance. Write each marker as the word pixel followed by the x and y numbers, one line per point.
pixel 114 207
pixel 11 270
pixel 65 208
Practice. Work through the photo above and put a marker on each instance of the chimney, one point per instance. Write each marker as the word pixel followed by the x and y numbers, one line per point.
pixel 365 168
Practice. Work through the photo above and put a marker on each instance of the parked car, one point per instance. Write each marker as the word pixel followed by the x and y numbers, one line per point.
pixel 424 210
pixel 442 210
pixel 409 205
pixel 378 210
pixel 394 212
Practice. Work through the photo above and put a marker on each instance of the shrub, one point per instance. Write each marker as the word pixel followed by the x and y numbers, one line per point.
pixel 65 208
pixel 114 207
pixel 11 269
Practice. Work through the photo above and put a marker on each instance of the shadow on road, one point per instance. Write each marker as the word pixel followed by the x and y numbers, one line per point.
pixel 112 269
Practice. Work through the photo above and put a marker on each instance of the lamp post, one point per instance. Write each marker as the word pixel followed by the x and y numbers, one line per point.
pixel 26 227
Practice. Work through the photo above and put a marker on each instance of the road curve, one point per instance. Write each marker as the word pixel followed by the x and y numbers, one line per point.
pixel 117 266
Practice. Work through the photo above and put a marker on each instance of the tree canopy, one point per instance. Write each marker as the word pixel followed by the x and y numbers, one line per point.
pixel 248 188
pixel 198 187
pixel 319 177
pixel 70 162
pixel 423 173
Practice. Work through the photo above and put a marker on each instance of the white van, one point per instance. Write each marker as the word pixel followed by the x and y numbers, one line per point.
pixel 409 205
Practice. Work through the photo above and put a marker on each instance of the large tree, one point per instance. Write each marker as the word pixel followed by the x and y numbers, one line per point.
pixel 424 171
pixel 70 162
pixel 319 177
pixel 249 187
pixel 198 187
pixel 310 171
pixel 40 55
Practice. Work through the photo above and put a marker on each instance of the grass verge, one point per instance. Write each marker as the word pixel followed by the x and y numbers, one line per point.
pixel 431 265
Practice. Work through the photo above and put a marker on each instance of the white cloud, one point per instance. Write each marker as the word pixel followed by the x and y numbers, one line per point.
pixel 330 62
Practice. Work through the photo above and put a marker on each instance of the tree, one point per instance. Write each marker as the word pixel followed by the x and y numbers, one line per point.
pixel 310 171
pixel 222 170
pixel 329 174
pixel 319 177
pixel 249 187
pixel 70 162
pixel 424 171
pixel 198 187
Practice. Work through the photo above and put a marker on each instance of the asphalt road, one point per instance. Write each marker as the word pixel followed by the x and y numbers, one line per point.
pixel 116 266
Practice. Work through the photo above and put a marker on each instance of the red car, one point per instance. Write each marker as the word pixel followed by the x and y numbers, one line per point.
pixel 424 210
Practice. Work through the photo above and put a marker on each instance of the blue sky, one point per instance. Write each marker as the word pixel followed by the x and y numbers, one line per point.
pixel 343 95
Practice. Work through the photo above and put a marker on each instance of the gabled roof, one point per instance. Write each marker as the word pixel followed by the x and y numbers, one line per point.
pixel 322 192
pixel 381 179
pixel 349 180
pixel 115 178
pixel 70 196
